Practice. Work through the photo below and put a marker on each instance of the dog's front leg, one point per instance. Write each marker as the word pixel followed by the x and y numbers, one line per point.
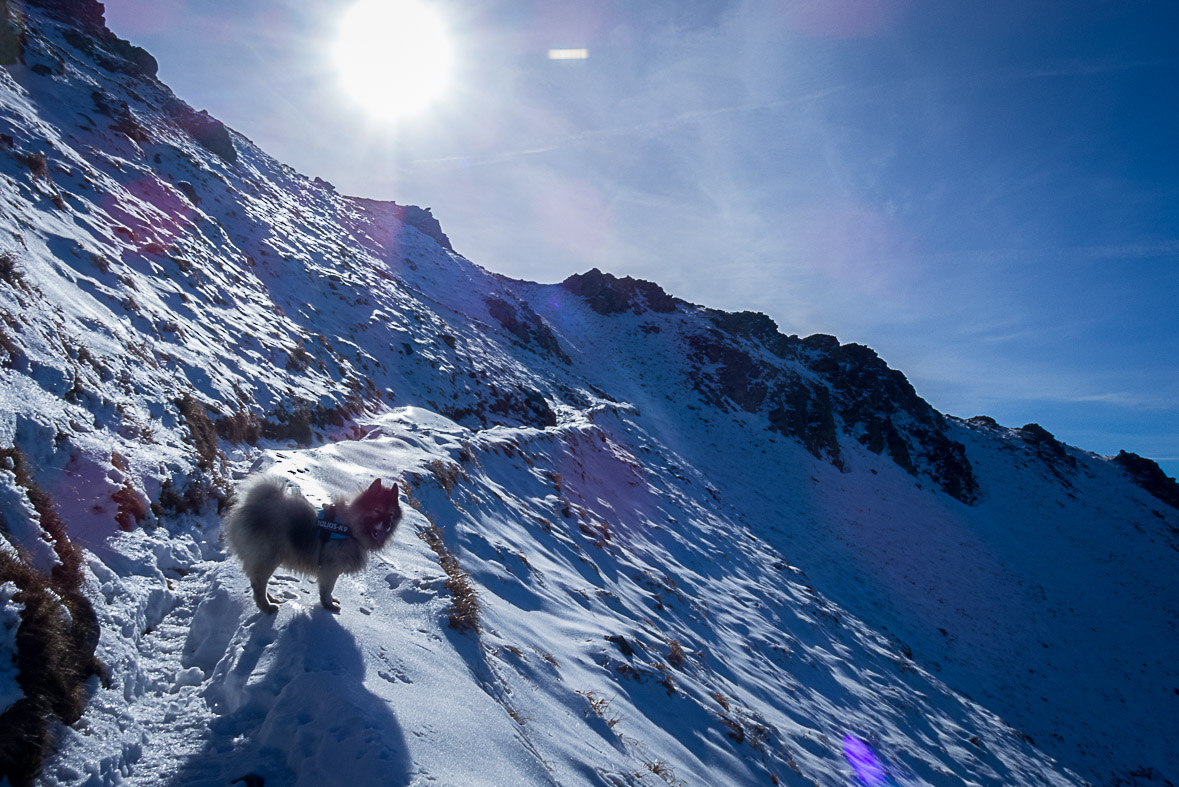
pixel 264 600
pixel 327 583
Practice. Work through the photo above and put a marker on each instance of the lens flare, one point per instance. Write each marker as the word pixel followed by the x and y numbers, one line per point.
pixel 865 764
pixel 568 54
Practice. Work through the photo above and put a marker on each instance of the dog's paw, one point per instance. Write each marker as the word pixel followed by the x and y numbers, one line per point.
pixel 268 608
pixel 330 604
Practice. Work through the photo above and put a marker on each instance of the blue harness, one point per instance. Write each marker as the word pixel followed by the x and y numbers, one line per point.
pixel 329 528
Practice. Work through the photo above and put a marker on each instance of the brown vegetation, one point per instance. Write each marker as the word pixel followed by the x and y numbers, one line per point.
pixel 55 642
pixel 464 612
pixel 204 434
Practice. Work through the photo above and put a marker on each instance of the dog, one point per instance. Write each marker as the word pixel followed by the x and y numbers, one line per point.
pixel 272 525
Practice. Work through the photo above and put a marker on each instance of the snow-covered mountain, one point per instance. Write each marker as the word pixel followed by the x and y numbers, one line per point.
pixel 645 542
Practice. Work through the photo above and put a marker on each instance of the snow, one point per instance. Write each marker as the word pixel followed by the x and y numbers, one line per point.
pixel 10 610
pixel 668 592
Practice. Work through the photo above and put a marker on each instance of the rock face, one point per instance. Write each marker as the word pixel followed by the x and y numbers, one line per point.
pixel 92 37
pixel 815 390
pixel 608 294
pixel 89 13
pixel 209 132
pixel 526 325
pixel 1148 475
pixel 420 219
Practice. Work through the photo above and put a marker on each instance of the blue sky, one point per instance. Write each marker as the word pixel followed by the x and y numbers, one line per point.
pixel 986 193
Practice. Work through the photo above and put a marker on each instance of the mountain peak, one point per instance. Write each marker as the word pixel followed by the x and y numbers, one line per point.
pixel 609 294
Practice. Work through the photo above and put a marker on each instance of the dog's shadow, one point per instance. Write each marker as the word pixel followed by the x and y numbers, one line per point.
pixel 309 720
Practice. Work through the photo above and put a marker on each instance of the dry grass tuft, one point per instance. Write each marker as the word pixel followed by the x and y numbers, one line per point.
pixel 10 274
pixel 204 434
pixel 662 770
pixel 446 473
pixel 241 427
pixel 676 656
pixel 67 574
pixel 132 507
pixel 464 611
pixel 600 706
pixel 36 162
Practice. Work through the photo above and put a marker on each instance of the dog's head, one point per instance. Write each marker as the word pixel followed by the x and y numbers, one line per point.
pixel 374 515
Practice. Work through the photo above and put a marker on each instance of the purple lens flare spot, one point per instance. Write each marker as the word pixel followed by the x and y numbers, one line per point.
pixel 864 762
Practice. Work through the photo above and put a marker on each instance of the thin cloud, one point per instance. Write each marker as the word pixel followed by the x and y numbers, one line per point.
pixel 659 126
pixel 1080 68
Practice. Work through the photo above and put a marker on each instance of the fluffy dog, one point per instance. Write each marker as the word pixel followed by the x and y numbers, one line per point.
pixel 271 526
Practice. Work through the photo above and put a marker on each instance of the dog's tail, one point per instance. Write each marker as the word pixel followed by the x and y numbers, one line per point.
pixel 257 500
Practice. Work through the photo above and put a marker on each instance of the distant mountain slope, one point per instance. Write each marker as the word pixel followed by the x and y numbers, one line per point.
pixel 701 551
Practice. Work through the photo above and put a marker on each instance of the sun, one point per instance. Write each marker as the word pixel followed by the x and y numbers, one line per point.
pixel 393 56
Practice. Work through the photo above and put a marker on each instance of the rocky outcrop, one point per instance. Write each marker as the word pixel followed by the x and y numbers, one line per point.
pixel 87 13
pixel 815 389
pixel 1148 475
pixel 209 132
pixel 423 221
pixel 498 406
pixel 757 327
pixel 115 54
pixel 11 37
pixel 526 325
pixel 608 294
pixel 420 219
pixel 1045 445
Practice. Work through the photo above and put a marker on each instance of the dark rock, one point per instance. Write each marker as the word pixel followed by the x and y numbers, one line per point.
pixel 12 43
pixel 420 219
pixel 756 326
pixel 188 190
pixel 87 13
pixel 423 220
pixel 526 325
pixel 113 53
pixel 608 294
pixel 529 408
pixel 502 407
pixel 1045 445
pixel 1148 475
pixel 951 468
pixel 820 343
pixel 137 60
pixel 855 389
pixel 807 415
pixel 209 132
pixel 737 379
pixel 623 644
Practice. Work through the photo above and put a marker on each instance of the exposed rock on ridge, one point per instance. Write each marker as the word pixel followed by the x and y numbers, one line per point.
pixel 608 294
pixel 812 390
pixel 1148 475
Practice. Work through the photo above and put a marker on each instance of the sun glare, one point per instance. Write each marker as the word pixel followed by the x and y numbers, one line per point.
pixel 393 56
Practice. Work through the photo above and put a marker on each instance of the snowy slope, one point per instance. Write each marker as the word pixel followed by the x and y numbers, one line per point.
pixel 703 552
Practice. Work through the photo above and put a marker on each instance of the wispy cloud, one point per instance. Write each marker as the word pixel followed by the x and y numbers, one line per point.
pixel 1083 68
pixel 645 128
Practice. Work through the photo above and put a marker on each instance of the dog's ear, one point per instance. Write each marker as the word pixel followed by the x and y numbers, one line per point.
pixel 394 490
pixel 374 488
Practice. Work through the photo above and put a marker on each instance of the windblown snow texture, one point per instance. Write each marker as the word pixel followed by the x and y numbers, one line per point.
pixel 645 542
